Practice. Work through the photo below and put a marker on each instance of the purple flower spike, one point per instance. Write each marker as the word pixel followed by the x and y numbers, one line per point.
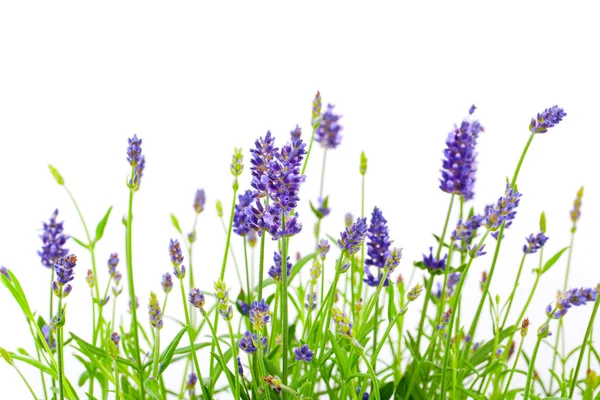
pixel 316 109
pixel 275 270
pixel 547 119
pixel 240 368
pixel 433 263
pixel 240 226
pixel 64 269
pixel 378 244
pixel 353 237
pixel 504 211
pixel 156 319
pixel 134 151
pixel 167 282
pixel 260 159
pixel 328 132
pixel 196 298
pixel 303 353
pixel 534 243
pixel 53 241
pixel 199 201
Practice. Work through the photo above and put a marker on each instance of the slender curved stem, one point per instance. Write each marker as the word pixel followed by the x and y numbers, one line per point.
pixel 512 371
pixel 310 145
pixel 60 349
pixel 261 265
pixel 512 294
pixel 284 308
pixel 191 335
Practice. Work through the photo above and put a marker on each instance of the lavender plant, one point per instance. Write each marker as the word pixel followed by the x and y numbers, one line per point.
pixel 288 338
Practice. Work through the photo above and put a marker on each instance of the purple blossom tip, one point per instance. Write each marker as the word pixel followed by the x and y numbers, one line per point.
pixel 64 269
pixel 196 298
pixel 199 201
pixel 303 353
pixel 547 119
pixel 134 151
pixel 53 241
pixel 328 132
pixel 167 282
pixel 353 237
pixel 296 133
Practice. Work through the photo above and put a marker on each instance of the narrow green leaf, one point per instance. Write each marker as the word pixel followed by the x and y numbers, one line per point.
pixel 387 391
pixel 553 260
pixel 175 223
pixel 91 397
pixel 102 225
pixel 79 242
pixel 340 355
pixel 56 175
pixel 543 222
pixel 152 388
pixel 167 355
pixel 473 394
pixel 111 349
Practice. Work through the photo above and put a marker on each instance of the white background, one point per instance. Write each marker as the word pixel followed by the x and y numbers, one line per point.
pixel 192 80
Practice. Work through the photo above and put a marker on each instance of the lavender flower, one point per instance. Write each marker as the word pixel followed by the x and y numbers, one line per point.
pixel 176 258
pixel 237 162
pixel 240 368
pixel 547 119
pixel 156 319
pixel 199 201
pixel 445 320
pixel 353 237
pixel 196 298
pixel 483 281
pixel 472 109
pixel 167 282
pixel 348 219
pixel 275 270
pixel 524 327
pixel 534 243
pixel 260 159
pixel 190 383
pixel 222 295
pixel 414 293
pixel 243 307
pixel 342 321
pixel 239 216
pixel 296 133
pixel 572 297
pixel 393 260
pixel 113 262
pixel 504 211
pixel 252 239
pixel 316 110
pixel 116 339
pixel 465 232
pixel 323 248
pixel 328 132
pixel 576 211
pixel 259 314
pixel 47 332
pixel 90 279
pixel 274 382
pixel 138 173
pixel 459 164
pixel 433 263
pixel 64 269
pixel 303 353
pixel 4 272
pixel 476 250
pixel 134 151
pixel 249 342
pixel 284 177
pixel 53 241
pixel 311 301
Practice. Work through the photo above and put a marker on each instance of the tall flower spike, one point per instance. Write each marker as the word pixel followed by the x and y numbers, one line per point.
pixel 222 295
pixel 237 162
pixel 134 151
pixel 547 119
pixel 353 237
pixel 259 314
pixel 576 211
pixel 53 241
pixel 459 164
pixel 176 258
pixel 261 157
pixel 504 211
pixel 199 201
pixel 240 226
pixel 167 282
pixel 378 244
pixel 156 319
pixel 190 384
pixel 276 269
pixel 283 175
pixel 534 243
pixel 316 110
pixel 196 299
pixel 64 269
pixel 328 132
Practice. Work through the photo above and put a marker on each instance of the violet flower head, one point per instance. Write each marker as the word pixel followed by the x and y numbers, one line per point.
pixel 199 201
pixel 472 109
pixel 572 297
pixel 138 173
pixel 239 216
pixel 249 342
pixel 64 269
pixel 459 164
pixel 433 263
pixel 239 366
pixel 176 258
pixel 276 269
pixel 113 262
pixel 190 384
pixel 378 240
pixel 328 132
pixel 311 301
pixel 53 241
pixel 167 282
pixel 393 260
pixel 156 319
pixel 465 232
pixel 116 339
pixel 196 298
pixel 260 159
pixel 547 119
pixel 303 353
pixel 316 109
pixel 353 237
pixel 323 248
pixel 134 151
pixel 4 272
pixel 534 243
pixel 296 133
pixel 259 314
pixel 283 177
pixel 504 211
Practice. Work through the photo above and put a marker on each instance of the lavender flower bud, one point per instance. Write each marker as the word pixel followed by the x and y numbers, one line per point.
pixel 342 321
pixel 176 258
pixel 503 211
pixel 240 368
pixel 225 309
pixel 199 201
pixel 156 319
pixel 524 327
pixel 274 382
pixel 167 282
pixel 311 301
pixel 134 151
pixel 547 119
pixel 90 279
pixel 323 248
pixel 219 206
pixel 328 132
pixel 113 262
pixel 259 314
pixel 252 238
pixel 576 211
pixel 472 109
pixel 190 384
pixel 316 110
pixel 363 163
pixel 240 225
pixel 237 162
pixel 534 243
pixel 249 342
pixel 276 269
pixel 116 339
pixel 296 133
pixel 445 320
pixel 393 260
pixel 196 299
pixel 348 219
pixel 64 269
pixel 414 293
pixel 53 241
pixel 303 353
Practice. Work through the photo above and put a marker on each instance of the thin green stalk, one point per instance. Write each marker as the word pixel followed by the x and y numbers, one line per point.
pixel 532 367
pixel 512 294
pixel 512 371
pixel 362 249
pixel 453 317
pixel 234 351
pixel 560 322
pixel 60 349
pixel 131 286
pixel 248 293
pixel 156 354
pixel 223 266
pixel 284 308
pixel 191 337
pixel 588 334
pixel 117 388
pixel 51 315
pixel 310 145
pixel 25 381
pixel 430 281
pixel 261 265
pixel 373 376
pixel 518 169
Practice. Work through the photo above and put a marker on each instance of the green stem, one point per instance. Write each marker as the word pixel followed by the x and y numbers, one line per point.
pixel 261 265
pixel 284 307
pixel 457 295
pixel 362 249
pixel 430 281
pixel 588 334
pixel 512 294
pixel 117 388
pixel 234 351
pixel 310 145
pixel 248 293
pixel 60 345
pixel 518 169
pixel 512 371
pixel 373 376
pixel 131 286
pixel 25 380
pixel 156 354
pixel 531 368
